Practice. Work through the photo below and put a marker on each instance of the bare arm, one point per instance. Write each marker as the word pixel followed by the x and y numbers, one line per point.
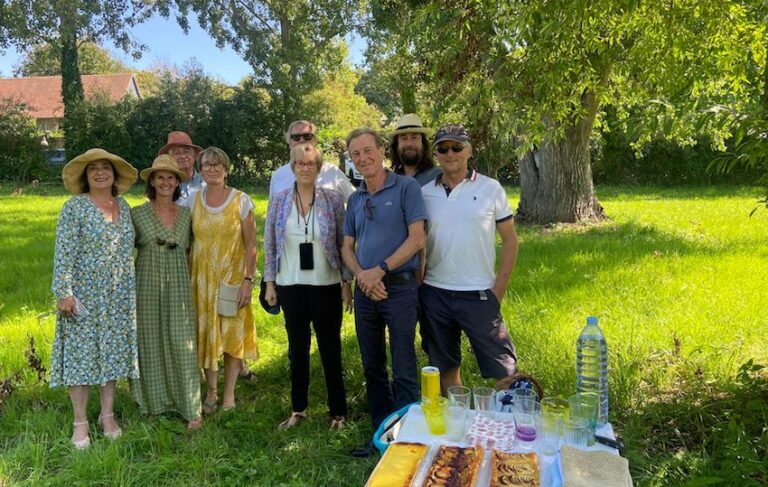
pixel 251 254
pixel 509 247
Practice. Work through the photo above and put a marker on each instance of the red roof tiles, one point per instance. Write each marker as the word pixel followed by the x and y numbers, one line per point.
pixel 42 94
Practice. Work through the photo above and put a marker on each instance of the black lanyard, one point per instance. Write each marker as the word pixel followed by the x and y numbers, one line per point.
pixel 310 214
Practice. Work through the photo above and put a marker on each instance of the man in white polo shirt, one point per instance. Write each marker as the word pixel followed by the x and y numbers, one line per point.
pixel 461 290
pixel 330 177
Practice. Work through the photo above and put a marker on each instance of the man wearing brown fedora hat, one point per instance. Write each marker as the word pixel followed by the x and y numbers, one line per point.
pixel 411 151
pixel 184 152
pixel 330 176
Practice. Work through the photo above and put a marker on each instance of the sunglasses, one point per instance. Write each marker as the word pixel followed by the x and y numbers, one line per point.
pixel 307 136
pixel 163 242
pixel 454 148
pixel 369 208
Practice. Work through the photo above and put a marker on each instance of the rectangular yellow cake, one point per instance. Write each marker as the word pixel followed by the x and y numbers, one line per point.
pixel 398 466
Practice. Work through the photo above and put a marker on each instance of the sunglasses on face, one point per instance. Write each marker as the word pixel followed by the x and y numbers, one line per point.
pixel 455 148
pixel 306 136
pixel 163 243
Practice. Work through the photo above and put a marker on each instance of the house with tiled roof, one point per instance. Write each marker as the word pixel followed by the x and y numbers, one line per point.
pixel 41 95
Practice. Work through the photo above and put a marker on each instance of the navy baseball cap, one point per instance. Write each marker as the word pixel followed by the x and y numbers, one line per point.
pixel 454 132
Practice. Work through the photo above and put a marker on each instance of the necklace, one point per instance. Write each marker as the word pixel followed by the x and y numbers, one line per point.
pixel 305 217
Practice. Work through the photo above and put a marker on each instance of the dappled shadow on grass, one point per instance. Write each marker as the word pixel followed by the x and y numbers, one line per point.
pixel 699 430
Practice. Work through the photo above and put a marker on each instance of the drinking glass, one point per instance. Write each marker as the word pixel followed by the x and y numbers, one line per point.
pixel 522 398
pixel 455 418
pixel 576 431
pixel 584 405
pixel 527 418
pixel 485 401
pixel 434 414
pixel 549 431
pixel 459 395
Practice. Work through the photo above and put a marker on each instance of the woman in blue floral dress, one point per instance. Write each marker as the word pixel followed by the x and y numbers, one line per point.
pixel 95 289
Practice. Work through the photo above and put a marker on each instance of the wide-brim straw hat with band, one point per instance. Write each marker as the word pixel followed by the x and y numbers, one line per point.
pixel 180 139
pixel 163 162
pixel 411 123
pixel 72 174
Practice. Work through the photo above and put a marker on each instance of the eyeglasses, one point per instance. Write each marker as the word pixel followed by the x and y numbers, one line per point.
pixel 181 150
pixel 163 243
pixel 304 165
pixel 212 166
pixel 455 148
pixel 369 206
pixel 306 136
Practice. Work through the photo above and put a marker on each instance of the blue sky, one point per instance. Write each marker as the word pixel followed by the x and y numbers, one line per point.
pixel 167 44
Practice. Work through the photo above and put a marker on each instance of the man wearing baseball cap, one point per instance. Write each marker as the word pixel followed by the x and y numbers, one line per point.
pixel 411 151
pixel 184 152
pixel 461 290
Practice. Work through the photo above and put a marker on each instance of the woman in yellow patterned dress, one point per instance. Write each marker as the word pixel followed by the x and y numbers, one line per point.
pixel 224 251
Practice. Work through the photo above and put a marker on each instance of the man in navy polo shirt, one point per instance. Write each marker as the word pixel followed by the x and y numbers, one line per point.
pixel 383 233
pixel 462 290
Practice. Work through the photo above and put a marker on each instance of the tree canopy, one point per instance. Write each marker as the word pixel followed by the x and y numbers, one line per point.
pixel 43 60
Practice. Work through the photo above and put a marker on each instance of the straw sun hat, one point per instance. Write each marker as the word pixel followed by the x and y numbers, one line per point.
pixel 163 162
pixel 72 174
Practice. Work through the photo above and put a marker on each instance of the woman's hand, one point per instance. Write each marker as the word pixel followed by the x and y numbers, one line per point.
pixel 66 306
pixel 346 296
pixel 246 291
pixel 270 294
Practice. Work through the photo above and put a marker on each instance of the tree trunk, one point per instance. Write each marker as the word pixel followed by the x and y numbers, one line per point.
pixel 71 82
pixel 556 179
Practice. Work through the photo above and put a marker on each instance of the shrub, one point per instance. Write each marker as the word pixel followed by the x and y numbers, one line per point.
pixel 21 156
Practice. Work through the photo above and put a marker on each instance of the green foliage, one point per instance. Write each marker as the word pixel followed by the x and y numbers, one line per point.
pixel 44 60
pixel 336 109
pixel 21 156
pixel 288 44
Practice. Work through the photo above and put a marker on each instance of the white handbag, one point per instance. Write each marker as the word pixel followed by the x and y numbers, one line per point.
pixel 226 304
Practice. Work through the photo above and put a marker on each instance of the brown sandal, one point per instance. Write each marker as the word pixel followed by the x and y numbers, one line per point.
pixel 292 421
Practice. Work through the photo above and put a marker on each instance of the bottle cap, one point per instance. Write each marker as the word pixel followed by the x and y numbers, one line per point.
pixel 591 320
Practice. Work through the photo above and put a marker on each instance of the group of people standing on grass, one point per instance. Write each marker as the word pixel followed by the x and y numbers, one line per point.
pixel 417 240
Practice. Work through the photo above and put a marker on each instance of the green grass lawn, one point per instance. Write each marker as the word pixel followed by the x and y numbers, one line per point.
pixel 678 278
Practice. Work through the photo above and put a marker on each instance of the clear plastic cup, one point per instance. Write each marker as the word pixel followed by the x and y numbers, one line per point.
pixel 455 419
pixel 527 425
pixel 485 401
pixel 460 395
pixel 549 432
pixel 576 431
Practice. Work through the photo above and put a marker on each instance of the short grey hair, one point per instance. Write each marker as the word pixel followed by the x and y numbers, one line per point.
pixel 365 131
pixel 301 151
pixel 312 127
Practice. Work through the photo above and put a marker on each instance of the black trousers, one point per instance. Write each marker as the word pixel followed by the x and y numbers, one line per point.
pixel 321 306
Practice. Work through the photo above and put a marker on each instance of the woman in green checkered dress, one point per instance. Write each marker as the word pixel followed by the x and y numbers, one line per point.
pixel 167 334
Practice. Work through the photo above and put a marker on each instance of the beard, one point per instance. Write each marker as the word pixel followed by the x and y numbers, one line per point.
pixel 410 156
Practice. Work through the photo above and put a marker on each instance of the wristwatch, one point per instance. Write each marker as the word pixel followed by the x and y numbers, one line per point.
pixel 383 266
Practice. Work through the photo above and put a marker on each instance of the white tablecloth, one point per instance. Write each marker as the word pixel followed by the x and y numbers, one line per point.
pixel 413 428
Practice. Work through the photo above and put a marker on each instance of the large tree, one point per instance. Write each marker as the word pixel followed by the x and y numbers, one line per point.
pixel 44 60
pixel 65 24
pixel 288 44
pixel 536 74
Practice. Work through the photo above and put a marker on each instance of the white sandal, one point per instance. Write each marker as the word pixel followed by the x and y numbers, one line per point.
pixel 84 443
pixel 112 435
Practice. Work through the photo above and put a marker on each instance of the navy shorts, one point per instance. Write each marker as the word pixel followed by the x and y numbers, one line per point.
pixel 445 314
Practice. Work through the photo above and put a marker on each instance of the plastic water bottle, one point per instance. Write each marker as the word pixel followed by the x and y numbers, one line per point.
pixel 592 365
